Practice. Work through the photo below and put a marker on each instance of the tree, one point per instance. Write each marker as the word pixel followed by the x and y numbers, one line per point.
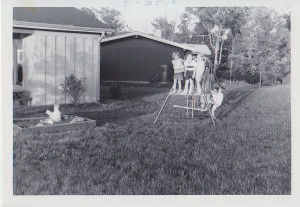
pixel 212 20
pixel 264 46
pixel 74 88
pixel 184 35
pixel 110 17
pixel 167 27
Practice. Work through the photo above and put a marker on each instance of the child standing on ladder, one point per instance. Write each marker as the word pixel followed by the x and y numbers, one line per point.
pixel 207 85
pixel 178 71
pixel 189 74
pixel 199 72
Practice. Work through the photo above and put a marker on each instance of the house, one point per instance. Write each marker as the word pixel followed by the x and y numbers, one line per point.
pixel 140 57
pixel 49 43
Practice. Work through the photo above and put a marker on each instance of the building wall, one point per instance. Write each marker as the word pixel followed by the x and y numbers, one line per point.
pixel 51 56
pixel 137 60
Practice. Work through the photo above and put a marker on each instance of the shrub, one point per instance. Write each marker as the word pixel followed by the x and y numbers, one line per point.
pixel 153 77
pixel 252 78
pixel 74 88
pixel 116 91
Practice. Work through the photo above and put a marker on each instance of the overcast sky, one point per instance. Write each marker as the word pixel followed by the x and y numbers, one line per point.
pixel 141 18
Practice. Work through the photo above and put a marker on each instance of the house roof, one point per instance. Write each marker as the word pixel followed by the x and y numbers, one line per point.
pixel 204 49
pixel 61 18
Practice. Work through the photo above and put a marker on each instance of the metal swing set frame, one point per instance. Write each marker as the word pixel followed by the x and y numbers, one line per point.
pixel 193 100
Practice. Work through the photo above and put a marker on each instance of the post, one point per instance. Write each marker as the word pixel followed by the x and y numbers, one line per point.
pixel 162 107
pixel 99 63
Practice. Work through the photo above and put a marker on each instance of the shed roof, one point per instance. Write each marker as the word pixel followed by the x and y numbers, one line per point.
pixel 62 18
pixel 204 49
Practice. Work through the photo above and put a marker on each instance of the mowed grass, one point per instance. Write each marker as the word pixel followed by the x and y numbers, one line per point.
pixel 248 151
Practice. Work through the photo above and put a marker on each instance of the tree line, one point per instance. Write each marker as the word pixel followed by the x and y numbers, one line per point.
pixel 247 43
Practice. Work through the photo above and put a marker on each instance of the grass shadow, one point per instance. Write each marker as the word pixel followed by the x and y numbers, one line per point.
pixel 235 99
pixel 111 116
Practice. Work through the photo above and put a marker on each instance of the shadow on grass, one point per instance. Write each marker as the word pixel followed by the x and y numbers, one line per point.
pixel 235 98
pixel 132 91
pixel 112 116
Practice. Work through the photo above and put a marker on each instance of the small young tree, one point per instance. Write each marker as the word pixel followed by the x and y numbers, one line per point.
pixel 74 88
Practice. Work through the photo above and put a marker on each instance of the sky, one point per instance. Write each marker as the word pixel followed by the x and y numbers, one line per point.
pixel 141 19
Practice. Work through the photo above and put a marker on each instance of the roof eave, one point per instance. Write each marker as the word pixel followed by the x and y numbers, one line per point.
pixel 59 27
pixel 185 47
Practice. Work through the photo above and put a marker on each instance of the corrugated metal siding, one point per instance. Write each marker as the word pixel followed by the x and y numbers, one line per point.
pixel 136 59
pixel 51 56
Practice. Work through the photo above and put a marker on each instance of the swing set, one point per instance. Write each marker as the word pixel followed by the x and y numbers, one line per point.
pixel 194 100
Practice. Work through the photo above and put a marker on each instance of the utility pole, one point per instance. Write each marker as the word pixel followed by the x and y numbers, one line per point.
pixel 230 73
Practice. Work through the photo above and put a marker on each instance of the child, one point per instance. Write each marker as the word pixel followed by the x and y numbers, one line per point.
pixel 207 83
pixel 178 71
pixel 54 116
pixel 189 74
pixel 217 98
pixel 199 71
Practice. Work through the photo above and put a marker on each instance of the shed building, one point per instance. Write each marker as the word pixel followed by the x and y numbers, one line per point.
pixel 139 57
pixel 49 43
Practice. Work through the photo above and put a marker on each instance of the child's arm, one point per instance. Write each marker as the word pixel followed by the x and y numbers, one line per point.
pixel 195 68
pixel 49 113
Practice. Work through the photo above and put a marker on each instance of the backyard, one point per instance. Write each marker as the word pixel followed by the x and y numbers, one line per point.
pixel 248 151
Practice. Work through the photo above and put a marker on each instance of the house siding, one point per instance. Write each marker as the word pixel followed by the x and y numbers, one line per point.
pixel 136 60
pixel 51 56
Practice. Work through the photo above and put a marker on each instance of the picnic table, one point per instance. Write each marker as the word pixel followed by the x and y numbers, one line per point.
pixel 20 95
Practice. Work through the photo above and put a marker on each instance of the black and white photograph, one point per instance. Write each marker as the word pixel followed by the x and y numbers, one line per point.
pixel 149 99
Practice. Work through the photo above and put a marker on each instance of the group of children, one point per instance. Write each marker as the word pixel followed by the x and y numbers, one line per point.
pixel 190 69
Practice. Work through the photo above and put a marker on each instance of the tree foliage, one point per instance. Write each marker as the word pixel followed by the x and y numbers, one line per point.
pixel 74 88
pixel 184 35
pixel 253 42
pixel 263 46
pixel 166 26
pixel 108 16
pixel 211 21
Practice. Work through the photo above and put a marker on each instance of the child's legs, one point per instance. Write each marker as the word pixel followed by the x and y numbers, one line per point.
pixel 186 86
pixel 191 84
pixel 213 110
pixel 179 84
pixel 174 84
pixel 198 85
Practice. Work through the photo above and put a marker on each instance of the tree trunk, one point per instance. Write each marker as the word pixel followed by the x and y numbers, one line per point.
pixel 260 78
pixel 217 48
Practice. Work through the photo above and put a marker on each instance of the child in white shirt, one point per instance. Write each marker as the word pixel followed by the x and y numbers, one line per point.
pixel 199 71
pixel 217 98
pixel 178 71
pixel 54 116
pixel 189 74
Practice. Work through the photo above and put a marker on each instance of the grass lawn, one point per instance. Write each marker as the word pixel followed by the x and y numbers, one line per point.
pixel 248 151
